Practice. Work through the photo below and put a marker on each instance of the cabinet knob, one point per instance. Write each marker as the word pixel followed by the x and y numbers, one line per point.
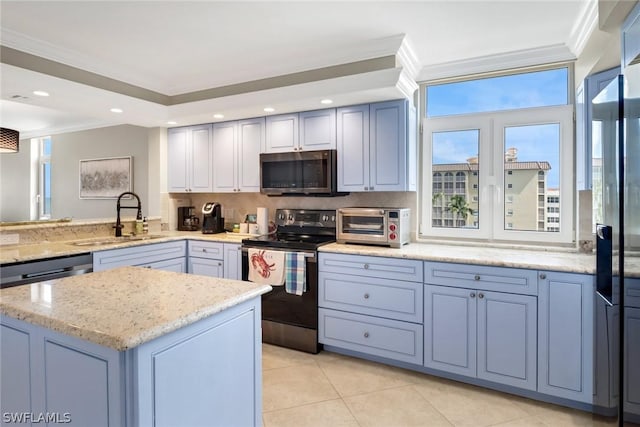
pixel 476 277
pixel 370 188
pixel 543 276
pixel 219 263
pixel 366 266
pixel 481 295
pixel 366 188
pixel 472 294
pixel 366 296
pixel 204 249
pixel 366 334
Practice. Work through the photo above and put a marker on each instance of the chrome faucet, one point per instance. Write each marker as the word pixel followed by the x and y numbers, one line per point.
pixel 119 225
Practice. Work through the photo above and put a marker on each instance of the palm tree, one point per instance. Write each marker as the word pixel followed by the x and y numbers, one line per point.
pixel 459 207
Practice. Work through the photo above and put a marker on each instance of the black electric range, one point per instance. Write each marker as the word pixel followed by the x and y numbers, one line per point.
pixel 292 320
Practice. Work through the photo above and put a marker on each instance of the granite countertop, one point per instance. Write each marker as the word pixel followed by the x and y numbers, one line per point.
pixel 567 261
pixel 124 307
pixel 30 252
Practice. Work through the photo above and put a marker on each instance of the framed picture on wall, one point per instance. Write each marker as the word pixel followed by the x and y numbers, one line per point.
pixel 105 178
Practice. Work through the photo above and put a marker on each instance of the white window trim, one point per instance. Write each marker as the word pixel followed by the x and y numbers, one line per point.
pixel 491 188
pixel 42 159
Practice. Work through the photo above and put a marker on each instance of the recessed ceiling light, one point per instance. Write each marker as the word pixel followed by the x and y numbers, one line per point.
pixel 171 122
pixel 218 116
pixel 326 101
pixel 40 93
pixel 116 110
pixel 269 109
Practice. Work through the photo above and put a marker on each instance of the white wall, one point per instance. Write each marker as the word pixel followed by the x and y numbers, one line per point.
pixel 15 181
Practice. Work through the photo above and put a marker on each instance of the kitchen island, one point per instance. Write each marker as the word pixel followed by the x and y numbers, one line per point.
pixel 132 346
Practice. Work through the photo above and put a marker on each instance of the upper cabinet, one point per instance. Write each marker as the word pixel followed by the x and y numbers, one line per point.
pixel 377 147
pixel 281 133
pixel 306 131
pixel 189 153
pixel 236 155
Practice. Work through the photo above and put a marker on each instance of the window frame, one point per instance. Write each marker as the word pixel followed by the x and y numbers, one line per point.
pixel 43 159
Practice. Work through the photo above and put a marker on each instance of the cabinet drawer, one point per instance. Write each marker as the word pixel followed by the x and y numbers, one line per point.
pixel 211 250
pixel 372 335
pixel 177 265
pixel 369 266
pixel 392 299
pixel 138 255
pixel 500 279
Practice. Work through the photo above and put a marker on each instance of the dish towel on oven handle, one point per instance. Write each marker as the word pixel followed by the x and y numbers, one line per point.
pixel 266 267
pixel 295 273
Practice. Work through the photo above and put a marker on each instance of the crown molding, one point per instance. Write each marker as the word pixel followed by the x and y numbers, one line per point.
pixel 584 26
pixel 502 61
pixel 407 58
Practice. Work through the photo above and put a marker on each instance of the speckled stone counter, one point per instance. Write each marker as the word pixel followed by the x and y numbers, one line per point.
pixel 124 307
pixel 567 261
pixel 49 249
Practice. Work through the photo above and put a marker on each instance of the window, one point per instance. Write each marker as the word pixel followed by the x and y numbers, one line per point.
pixel 44 178
pixel 479 132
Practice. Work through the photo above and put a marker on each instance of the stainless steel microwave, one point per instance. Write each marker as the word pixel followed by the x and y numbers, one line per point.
pixel 299 173
pixel 374 226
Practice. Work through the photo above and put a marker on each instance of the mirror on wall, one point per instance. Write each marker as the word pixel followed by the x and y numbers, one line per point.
pixel 42 180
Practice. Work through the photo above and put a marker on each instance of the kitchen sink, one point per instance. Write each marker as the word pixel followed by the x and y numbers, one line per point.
pixel 113 240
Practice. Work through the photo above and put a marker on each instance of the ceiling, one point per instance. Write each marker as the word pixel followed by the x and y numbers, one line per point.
pixel 172 58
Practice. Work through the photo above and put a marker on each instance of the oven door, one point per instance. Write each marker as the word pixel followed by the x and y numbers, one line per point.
pixel 362 226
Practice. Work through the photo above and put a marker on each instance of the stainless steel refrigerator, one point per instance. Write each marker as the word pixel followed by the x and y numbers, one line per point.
pixel 616 195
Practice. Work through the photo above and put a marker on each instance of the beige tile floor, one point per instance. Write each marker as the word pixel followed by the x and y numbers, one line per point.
pixel 329 389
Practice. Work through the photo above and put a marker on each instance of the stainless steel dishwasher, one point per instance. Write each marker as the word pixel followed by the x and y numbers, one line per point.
pixel 22 273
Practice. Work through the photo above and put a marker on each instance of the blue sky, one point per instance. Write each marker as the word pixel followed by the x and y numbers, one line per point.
pixel 534 143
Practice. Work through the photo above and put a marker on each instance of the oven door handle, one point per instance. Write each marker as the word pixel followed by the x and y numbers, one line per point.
pixel 311 256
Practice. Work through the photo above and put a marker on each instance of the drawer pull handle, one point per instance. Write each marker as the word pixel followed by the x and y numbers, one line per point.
pixel 543 276
pixel 366 296
pixel 366 266
pixel 366 334
pixel 480 295
pixel 472 294
pixel 476 277
pixel 204 250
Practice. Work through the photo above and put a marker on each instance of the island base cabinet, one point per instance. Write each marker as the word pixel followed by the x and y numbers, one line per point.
pixel 632 363
pixel 566 333
pixel 488 335
pixel 206 373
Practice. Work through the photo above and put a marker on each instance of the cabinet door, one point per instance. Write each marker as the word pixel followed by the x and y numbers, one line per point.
pixel 281 133
pixel 388 145
pixel 177 265
pixel 566 330
pixel 15 371
pixel 353 148
pixel 206 267
pixel 450 329
pixel 177 152
pixel 250 143
pixel 200 163
pixel 225 157
pixel 631 358
pixel 232 261
pixel 318 130
pixel 507 335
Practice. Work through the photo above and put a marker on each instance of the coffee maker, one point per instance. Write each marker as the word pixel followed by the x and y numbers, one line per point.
pixel 212 221
pixel 187 219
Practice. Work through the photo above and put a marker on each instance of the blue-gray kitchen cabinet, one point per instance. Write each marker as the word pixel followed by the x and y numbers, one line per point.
pixel 236 155
pixel 206 258
pixel 317 130
pixel 189 159
pixel 165 256
pixel 282 133
pixel 371 305
pixel 483 331
pixel 377 147
pixel 566 335
pixel 232 261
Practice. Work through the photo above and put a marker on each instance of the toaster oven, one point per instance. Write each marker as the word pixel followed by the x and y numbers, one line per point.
pixel 374 226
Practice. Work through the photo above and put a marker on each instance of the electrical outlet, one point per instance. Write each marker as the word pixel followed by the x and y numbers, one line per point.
pixel 9 239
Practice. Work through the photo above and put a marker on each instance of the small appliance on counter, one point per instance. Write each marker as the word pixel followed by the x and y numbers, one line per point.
pixel 374 226
pixel 212 220
pixel 187 219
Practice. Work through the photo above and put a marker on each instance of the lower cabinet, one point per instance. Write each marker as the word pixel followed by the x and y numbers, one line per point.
pixel 483 334
pixel 566 335
pixel 232 261
pixel 164 256
pixel 206 258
